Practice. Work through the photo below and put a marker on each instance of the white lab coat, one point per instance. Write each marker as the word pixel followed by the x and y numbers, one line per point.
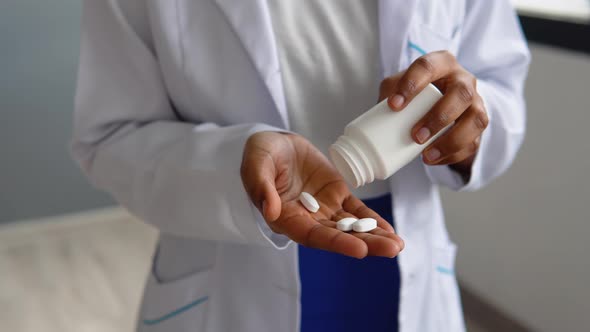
pixel 169 91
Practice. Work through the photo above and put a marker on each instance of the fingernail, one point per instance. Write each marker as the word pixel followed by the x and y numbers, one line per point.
pixel 432 154
pixel 422 135
pixel 397 101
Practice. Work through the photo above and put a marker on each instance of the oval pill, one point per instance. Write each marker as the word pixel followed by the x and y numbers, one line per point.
pixel 364 225
pixel 309 202
pixel 345 224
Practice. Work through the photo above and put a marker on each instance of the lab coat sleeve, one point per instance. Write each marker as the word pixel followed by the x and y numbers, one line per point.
pixel 181 177
pixel 493 48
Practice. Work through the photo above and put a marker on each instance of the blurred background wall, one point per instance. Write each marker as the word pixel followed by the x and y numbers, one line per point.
pixel 38 58
pixel 523 239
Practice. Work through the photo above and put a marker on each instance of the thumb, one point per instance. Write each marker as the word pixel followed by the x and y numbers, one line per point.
pixel 271 204
pixel 258 176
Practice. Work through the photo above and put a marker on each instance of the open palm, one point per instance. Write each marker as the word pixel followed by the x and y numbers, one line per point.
pixel 277 167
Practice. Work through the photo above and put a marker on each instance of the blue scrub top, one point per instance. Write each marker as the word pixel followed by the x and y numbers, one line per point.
pixel 343 294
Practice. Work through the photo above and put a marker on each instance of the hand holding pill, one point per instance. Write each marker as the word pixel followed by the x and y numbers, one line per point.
pixel 345 224
pixel 277 168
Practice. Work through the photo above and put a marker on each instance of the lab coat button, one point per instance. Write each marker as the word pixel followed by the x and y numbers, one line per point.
pixel 410 277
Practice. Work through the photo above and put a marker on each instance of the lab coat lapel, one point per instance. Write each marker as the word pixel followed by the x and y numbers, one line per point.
pixel 252 24
pixel 395 17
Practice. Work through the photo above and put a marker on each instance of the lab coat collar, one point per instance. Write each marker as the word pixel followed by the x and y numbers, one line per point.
pixel 252 24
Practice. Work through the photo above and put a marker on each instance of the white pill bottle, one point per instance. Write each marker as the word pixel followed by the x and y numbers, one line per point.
pixel 378 143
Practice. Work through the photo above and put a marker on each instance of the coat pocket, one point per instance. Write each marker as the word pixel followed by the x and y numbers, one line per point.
pixel 423 39
pixel 179 305
pixel 449 311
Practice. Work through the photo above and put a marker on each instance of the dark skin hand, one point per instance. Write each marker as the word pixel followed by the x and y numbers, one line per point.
pixel 461 103
pixel 277 167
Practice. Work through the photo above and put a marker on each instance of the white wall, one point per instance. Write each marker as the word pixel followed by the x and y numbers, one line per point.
pixel 38 62
pixel 525 239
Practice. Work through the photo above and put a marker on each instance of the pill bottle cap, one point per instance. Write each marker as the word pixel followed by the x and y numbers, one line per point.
pixel 351 162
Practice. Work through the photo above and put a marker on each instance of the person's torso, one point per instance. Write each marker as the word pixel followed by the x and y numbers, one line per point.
pixel 218 64
pixel 329 58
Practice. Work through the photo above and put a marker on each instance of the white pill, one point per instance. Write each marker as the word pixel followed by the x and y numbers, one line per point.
pixel 345 224
pixel 364 225
pixel 309 202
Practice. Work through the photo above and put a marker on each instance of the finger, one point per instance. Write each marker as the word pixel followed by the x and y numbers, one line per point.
pixel 271 204
pixel 379 243
pixel 459 96
pixel 395 237
pixel 387 86
pixel 461 136
pixel 358 209
pixel 378 246
pixel 313 234
pixel 461 155
pixel 426 69
pixel 258 174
